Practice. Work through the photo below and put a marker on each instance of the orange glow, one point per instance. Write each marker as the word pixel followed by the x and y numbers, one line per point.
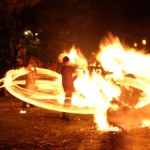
pixel 143 42
pixel 125 84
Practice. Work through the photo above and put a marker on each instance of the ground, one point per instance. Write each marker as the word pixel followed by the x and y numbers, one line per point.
pixel 42 129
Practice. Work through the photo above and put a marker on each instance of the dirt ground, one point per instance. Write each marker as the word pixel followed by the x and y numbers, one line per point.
pixel 42 129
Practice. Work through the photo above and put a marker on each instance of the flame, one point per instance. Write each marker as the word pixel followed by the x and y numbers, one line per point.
pixel 116 91
pixel 49 93
pixel 75 56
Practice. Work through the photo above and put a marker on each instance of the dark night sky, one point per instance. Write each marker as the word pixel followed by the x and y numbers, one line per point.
pixel 130 10
pixel 85 22
pixel 128 19
pixel 105 13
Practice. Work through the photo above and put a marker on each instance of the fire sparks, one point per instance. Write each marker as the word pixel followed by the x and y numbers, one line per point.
pixel 116 91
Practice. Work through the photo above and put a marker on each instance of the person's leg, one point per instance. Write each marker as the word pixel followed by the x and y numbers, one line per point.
pixel 67 104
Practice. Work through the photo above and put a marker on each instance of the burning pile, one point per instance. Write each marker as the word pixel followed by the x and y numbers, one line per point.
pixel 115 88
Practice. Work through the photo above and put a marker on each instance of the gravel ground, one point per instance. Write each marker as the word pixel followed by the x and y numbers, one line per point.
pixel 41 129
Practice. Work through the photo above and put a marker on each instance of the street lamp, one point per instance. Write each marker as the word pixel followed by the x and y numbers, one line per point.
pixel 143 42
pixel 36 34
pixel 28 32
pixel 135 44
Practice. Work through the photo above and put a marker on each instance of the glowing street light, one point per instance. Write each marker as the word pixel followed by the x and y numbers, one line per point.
pixel 36 34
pixel 28 32
pixel 143 42
pixel 25 33
pixel 135 44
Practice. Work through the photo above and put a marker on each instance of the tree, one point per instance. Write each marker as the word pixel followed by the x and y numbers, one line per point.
pixel 10 21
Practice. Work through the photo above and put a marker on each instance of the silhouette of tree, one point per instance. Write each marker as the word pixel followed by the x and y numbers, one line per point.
pixel 10 21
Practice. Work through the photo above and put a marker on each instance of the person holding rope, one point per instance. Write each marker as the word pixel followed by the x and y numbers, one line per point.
pixel 67 72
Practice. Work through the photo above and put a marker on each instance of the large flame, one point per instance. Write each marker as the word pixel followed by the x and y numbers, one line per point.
pixel 115 90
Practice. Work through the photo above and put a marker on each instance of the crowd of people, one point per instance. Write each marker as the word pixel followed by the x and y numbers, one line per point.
pixel 31 63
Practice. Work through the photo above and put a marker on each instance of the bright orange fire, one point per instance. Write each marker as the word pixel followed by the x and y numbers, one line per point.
pixel 115 90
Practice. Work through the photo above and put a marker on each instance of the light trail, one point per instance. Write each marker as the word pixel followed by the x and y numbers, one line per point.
pixel 95 91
